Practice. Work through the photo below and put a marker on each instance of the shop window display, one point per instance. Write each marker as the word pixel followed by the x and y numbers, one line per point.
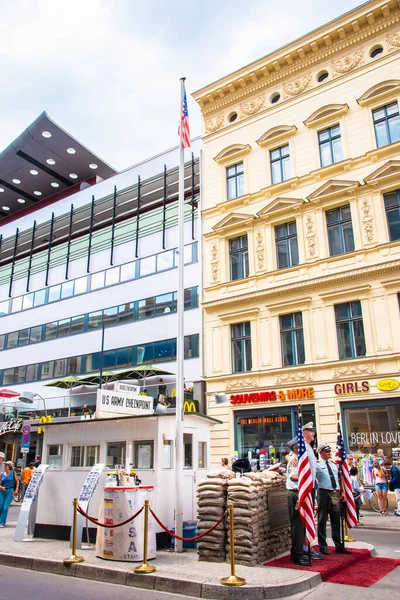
pixel 373 429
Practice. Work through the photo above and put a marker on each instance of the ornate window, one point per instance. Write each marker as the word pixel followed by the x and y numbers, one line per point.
pixel 292 339
pixel 287 252
pixel 234 181
pixel 241 347
pixel 330 146
pixel 239 258
pixel 340 230
pixel 392 208
pixel 350 330
pixel 386 124
pixel 280 164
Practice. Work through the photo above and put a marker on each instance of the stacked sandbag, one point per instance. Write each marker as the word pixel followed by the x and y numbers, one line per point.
pixel 211 505
pixel 248 495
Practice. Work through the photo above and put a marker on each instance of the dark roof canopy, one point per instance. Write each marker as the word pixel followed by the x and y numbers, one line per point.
pixel 43 161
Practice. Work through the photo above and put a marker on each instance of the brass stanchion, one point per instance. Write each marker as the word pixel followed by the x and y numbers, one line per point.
pixel 74 558
pixel 144 567
pixel 347 538
pixel 232 579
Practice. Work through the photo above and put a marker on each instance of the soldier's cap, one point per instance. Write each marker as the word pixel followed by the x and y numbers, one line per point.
pixel 2 455
pixel 324 446
pixel 292 442
pixel 309 426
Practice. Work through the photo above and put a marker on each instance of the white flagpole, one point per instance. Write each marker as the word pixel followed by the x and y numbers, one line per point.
pixel 180 347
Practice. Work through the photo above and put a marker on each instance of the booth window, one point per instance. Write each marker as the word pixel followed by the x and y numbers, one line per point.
pixel 202 451
pixel 188 450
pixel 386 124
pixel 84 456
pixel 55 456
pixel 143 454
pixel 350 330
pixel 392 209
pixel 167 454
pixel 116 452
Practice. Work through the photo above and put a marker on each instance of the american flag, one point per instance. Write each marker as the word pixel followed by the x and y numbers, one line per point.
pixel 340 459
pixel 306 486
pixel 183 129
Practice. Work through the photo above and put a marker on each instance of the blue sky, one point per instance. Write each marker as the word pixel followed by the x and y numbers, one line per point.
pixel 108 71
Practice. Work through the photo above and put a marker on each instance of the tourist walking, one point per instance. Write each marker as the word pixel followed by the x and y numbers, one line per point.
pixel 9 480
pixel 394 484
pixel 381 486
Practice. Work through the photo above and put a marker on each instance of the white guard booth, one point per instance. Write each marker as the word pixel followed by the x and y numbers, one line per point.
pixel 124 430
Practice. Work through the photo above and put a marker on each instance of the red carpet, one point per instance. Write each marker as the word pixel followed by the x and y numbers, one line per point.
pixel 359 568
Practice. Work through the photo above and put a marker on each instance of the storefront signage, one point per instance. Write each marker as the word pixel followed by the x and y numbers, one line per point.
pixel 356 387
pixel 371 438
pixel 12 425
pixel 254 397
pixel 190 406
pixel 257 420
pixel 387 385
pixel 126 387
pixel 124 403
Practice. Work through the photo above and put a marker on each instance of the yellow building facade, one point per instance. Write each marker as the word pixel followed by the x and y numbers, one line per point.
pixel 301 239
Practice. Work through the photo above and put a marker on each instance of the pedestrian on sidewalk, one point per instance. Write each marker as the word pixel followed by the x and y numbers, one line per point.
pixel 381 486
pixel 357 491
pixel 26 477
pixel 9 480
pixel 2 457
pixel 394 484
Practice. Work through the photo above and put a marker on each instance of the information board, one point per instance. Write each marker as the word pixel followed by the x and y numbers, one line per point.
pixel 84 498
pixel 27 513
pixel 278 514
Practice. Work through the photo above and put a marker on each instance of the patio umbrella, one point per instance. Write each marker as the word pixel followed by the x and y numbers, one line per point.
pixel 5 393
pixel 66 383
pixel 94 378
pixel 141 372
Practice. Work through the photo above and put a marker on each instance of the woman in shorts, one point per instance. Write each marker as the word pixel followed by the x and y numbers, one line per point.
pixel 381 486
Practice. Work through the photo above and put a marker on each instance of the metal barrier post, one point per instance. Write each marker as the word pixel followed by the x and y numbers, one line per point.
pixel 232 579
pixel 144 567
pixel 74 558
pixel 347 538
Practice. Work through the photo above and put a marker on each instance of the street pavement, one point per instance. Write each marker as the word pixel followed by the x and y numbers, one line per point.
pixel 183 574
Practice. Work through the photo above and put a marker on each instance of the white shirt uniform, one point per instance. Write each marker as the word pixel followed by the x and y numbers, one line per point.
pixel 313 461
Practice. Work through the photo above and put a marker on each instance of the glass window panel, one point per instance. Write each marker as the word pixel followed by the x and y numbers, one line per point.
pixel 54 293
pixel 16 304
pixel 12 339
pixel 202 455
pixel 95 319
pixel 97 281
pixel 286 322
pixel 188 451
pixel 345 213
pixel 286 168
pixel 344 340
pixel 20 374
pixel 110 316
pixel 143 453
pixel 92 455
pixel 67 289
pixel 32 372
pixel 28 301
pixel 4 307
pixel 80 285
pixel 301 356
pixel 123 357
pixel 127 271
pixel 77 454
pixel 40 298
pixel 116 453
pixel 393 219
pixel 2 341
pixel 188 254
pixel 240 185
pixel 125 312
pixel 60 367
pixel 63 327
pixel 298 319
pixel 337 150
pixel 146 308
pixel 165 260
pixel 239 168
pixel 335 245
pixel 359 339
pixel 342 311
pixel 109 359
pixel 188 298
pixel 55 457
pixel 50 331
pixel 36 334
pixel 147 266
pixel 323 136
pixel 282 254
pixel 77 324
pixel 394 129
pixel 47 370
pixel 335 131
pixel 287 349
pixel 379 114
pixel 276 172
pixel 294 251
pixel 164 350
pixel 326 154
pixel 8 376
pixel 381 133
pixel 391 200
pixel 230 171
pixel 112 276
pixel 392 109
pixel 74 365
pixel 164 304
pixel 355 308
pixel 275 154
pixel 348 237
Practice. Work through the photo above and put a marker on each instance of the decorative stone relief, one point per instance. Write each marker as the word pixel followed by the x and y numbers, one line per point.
pixel 393 41
pixel 348 63
pixel 367 368
pixel 241 383
pixel 294 377
pixel 368 221
pixel 214 262
pixel 260 250
pixel 311 240
pixel 252 106
pixel 213 124
pixel 297 87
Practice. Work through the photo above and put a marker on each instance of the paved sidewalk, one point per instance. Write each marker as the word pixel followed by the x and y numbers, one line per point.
pixel 179 573
pixel 373 520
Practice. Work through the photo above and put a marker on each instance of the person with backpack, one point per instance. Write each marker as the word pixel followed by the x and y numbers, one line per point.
pixel 9 485
pixel 394 484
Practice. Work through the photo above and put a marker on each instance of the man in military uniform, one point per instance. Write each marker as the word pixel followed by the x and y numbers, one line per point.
pixel 328 500
pixel 297 529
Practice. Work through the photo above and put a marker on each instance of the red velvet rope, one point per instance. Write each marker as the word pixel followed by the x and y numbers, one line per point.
pixel 191 539
pixel 96 522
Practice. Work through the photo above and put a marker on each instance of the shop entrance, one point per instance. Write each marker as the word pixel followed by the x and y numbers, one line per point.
pixel 267 431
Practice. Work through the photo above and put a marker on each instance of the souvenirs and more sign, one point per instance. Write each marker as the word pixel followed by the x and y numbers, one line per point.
pixel 125 403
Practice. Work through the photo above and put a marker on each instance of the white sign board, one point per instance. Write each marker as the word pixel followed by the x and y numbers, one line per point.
pixel 85 496
pixel 126 387
pixel 124 403
pixel 27 513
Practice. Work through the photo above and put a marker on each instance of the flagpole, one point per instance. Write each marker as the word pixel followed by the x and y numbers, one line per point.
pixel 178 517
pixel 341 487
pixel 300 419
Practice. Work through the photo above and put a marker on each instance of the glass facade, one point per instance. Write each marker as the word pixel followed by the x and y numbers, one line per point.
pixel 373 426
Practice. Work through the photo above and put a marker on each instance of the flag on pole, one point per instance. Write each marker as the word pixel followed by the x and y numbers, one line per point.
pixel 306 486
pixel 183 129
pixel 347 489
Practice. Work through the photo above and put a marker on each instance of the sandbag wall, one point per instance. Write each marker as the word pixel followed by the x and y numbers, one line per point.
pixel 254 540
pixel 211 503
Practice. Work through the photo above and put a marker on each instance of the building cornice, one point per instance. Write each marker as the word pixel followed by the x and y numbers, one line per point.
pixel 341 34
pixel 316 283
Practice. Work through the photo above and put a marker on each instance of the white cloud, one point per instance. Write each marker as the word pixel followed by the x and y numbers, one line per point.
pixel 108 70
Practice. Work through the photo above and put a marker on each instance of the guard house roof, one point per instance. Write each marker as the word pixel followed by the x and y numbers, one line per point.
pixel 45 161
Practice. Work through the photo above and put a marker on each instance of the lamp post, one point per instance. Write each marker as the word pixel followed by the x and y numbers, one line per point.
pixel 28 398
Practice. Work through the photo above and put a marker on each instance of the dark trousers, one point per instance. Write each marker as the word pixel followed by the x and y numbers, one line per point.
pixel 328 505
pixel 297 529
